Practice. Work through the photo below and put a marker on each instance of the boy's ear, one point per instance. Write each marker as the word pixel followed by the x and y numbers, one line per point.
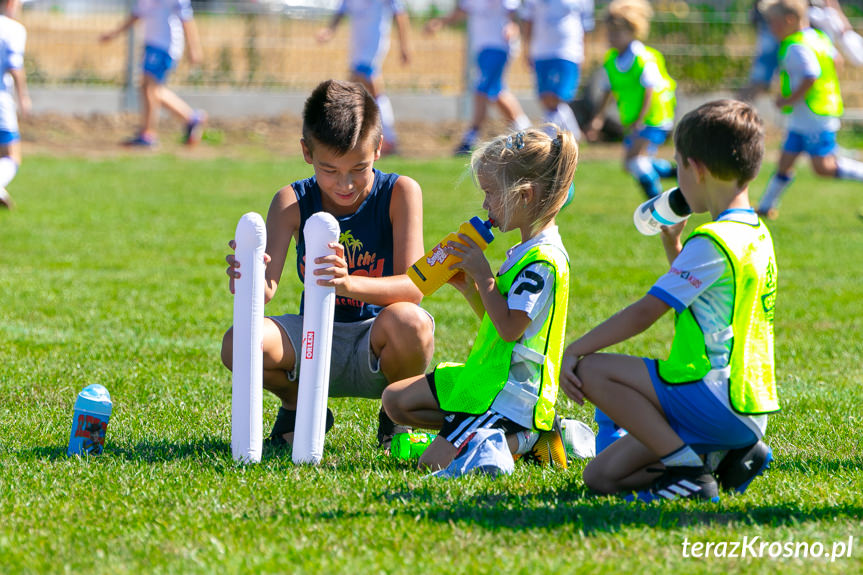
pixel 378 148
pixel 307 153
pixel 701 171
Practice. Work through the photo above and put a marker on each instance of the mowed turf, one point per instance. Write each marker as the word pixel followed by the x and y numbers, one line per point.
pixel 112 272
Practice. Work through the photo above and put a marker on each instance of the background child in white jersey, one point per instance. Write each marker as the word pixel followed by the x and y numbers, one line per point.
pixel 166 24
pixel 491 31
pixel 370 41
pixel 510 379
pixel 810 94
pixel 13 37
pixel 554 32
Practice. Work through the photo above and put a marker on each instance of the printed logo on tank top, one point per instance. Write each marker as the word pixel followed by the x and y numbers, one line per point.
pixel 360 263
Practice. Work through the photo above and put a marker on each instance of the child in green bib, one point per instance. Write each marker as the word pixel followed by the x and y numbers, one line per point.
pixel 712 395
pixel 509 381
pixel 637 78
pixel 810 96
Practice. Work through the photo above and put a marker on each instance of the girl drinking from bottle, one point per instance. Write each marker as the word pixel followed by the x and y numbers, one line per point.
pixel 509 381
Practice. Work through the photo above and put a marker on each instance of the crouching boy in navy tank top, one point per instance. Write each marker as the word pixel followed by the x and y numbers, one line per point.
pixel 380 334
pixel 509 381
pixel 713 392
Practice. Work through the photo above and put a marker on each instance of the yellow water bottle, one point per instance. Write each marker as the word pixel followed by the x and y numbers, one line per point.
pixel 433 269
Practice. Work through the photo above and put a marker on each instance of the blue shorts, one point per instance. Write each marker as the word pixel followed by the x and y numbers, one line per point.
pixel 157 63
pixel 7 137
pixel 491 63
pixel 655 136
pixel 700 419
pixel 816 145
pixel 558 77
pixel 366 70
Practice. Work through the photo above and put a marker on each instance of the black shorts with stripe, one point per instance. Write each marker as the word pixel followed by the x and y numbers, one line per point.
pixel 458 427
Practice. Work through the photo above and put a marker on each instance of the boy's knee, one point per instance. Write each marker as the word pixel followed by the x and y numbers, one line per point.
pixel 228 348
pixel 407 325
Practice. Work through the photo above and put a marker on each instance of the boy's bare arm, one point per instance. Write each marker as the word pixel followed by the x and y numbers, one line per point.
pixel 402 28
pixel 283 223
pixel 326 34
pixel 127 23
pixel 645 106
pixel 193 41
pixel 599 117
pixel 623 325
pixel 20 79
pixel 453 17
pixel 797 95
pixel 406 216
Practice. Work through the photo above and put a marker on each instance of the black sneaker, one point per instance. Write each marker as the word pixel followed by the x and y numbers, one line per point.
pixel 387 428
pixel 680 482
pixel 285 421
pixel 740 466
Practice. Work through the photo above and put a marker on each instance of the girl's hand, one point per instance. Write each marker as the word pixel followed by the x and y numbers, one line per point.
pixel 569 382
pixel 473 261
pixel 462 283
pixel 234 266
pixel 334 269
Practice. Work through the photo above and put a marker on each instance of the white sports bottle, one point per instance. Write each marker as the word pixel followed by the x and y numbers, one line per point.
pixel 666 209
pixel 316 349
pixel 248 368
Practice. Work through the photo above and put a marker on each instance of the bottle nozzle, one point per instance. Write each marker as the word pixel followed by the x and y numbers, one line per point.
pixel 488 223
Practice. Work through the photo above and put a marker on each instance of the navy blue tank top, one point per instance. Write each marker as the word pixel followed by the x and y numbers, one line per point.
pixel 366 234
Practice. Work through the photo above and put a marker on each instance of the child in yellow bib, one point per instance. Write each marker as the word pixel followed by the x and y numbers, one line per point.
pixel 637 78
pixel 810 96
pixel 509 381
pixel 712 394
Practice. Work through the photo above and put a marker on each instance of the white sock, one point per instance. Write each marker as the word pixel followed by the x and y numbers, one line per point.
pixel 775 188
pixel 526 440
pixel 683 457
pixel 8 169
pixel 521 123
pixel 388 119
pixel 848 169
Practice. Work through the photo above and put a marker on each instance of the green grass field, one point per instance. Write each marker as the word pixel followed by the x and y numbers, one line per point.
pixel 112 272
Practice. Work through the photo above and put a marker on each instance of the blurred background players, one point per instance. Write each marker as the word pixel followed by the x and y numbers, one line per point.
pixel 370 41
pixel 13 37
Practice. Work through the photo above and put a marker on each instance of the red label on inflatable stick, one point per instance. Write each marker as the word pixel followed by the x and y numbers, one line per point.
pixel 310 344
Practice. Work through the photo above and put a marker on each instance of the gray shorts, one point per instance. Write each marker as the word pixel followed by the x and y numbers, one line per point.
pixel 354 369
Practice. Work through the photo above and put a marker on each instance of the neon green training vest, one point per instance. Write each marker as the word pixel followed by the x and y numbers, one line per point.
pixel 486 381
pixel 751 385
pixel 824 97
pixel 629 93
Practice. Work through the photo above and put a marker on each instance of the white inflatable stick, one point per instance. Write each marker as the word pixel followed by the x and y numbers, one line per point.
pixel 316 350
pixel 248 367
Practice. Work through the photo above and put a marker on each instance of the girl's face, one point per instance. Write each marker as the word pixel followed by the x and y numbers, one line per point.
pixel 515 218
pixel 620 36
pixel 782 25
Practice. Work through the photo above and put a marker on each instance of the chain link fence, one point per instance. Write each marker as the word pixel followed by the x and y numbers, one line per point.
pixel 271 44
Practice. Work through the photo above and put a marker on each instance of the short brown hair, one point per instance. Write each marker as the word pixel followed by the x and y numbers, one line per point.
pixel 341 116
pixel 799 8
pixel 727 136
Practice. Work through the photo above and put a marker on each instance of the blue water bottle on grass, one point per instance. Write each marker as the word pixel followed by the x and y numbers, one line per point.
pixel 90 421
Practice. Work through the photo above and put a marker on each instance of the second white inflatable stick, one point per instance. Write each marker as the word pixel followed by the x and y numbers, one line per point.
pixel 316 349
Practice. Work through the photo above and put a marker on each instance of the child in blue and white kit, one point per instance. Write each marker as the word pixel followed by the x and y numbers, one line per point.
pixel 810 94
pixel 491 30
pixel 554 31
pixel 371 21
pixel 13 37
pixel 166 24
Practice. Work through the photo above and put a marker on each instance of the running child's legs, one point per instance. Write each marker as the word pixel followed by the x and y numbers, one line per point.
pixel 639 160
pixel 621 387
pixel 370 78
pixel 176 105
pixel 10 160
pixel 150 105
pixel 556 82
pixel 511 109
pixel 778 183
